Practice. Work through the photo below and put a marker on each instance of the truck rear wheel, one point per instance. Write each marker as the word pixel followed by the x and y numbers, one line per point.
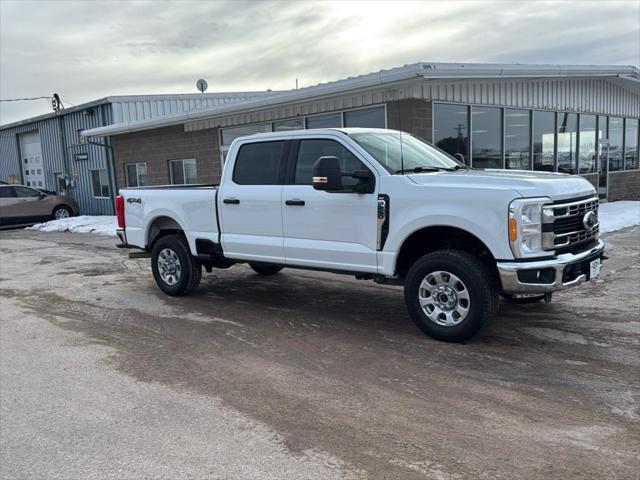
pixel 265 268
pixel 176 272
pixel 450 295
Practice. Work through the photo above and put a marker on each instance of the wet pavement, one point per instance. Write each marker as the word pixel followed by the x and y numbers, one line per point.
pixel 303 375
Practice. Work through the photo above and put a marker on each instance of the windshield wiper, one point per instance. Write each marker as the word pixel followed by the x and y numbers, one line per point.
pixel 425 169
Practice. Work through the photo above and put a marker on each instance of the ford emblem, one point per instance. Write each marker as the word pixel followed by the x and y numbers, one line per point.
pixel 589 220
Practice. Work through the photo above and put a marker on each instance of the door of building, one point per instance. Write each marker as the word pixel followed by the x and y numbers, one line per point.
pixel 31 159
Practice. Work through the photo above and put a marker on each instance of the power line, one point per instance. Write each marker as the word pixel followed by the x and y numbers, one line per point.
pixel 20 99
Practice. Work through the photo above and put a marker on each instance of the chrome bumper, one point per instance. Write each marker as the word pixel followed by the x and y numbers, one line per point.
pixel 122 235
pixel 512 284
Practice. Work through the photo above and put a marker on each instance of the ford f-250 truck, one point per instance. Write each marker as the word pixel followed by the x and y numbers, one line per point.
pixel 380 205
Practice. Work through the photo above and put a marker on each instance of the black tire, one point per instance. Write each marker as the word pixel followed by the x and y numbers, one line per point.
pixel 477 281
pixel 522 300
pixel 190 268
pixel 265 268
pixel 61 208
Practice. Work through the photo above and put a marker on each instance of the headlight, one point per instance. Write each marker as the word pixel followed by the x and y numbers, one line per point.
pixel 525 226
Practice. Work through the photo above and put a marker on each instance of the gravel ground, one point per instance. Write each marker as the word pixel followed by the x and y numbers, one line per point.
pixel 303 375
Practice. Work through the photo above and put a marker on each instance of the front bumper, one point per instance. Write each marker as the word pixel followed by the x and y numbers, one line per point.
pixel 545 276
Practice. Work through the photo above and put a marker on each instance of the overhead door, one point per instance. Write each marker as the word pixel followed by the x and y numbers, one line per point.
pixel 31 159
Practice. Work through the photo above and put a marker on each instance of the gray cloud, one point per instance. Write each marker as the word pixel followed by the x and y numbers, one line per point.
pixel 87 50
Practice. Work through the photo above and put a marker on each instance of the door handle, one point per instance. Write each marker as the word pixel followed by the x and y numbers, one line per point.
pixel 295 202
pixel 231 201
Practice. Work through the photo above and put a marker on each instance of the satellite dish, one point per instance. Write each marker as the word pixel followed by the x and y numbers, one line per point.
pixel 201 85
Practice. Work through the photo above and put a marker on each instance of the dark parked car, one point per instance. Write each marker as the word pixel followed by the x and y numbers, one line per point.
pixel 20 205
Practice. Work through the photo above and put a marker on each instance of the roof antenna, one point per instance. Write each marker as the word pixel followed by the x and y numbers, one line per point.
pixel 401 153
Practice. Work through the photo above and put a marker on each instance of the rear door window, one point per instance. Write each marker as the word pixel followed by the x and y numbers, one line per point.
pixel 259 163
pixel 6 192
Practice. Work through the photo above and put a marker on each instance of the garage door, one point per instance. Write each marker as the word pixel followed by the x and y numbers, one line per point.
pixel 31 152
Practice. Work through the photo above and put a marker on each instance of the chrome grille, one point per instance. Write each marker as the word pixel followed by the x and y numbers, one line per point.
pixel 563 224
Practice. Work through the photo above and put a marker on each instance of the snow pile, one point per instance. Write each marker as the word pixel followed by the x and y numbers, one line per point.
pixel 100 224
pixel 618 215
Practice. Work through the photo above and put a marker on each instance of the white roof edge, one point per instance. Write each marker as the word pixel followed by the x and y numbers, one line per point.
pixel 422 69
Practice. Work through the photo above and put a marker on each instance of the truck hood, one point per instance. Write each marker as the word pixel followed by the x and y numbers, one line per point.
pixel 557 186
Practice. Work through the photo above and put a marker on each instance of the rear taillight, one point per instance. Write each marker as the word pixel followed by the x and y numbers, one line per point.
pixel 120 211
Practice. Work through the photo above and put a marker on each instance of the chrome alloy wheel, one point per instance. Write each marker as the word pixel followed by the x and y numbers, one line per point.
pixel 444 298
pixel 61 213
pixel 169 266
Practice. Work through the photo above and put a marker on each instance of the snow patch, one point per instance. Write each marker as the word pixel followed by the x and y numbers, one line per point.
pixel 98 224
pixel 618 215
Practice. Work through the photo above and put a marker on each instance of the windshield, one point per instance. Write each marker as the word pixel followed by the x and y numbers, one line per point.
pixel 409 154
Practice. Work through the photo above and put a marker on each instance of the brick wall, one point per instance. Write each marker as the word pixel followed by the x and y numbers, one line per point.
pixel 157 147
pixel 624 185
pixel 412 115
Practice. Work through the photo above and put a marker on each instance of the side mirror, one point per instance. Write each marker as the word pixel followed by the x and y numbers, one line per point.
pixel 42 195
pixel 460 157
pixel 327 174
pixel 367 182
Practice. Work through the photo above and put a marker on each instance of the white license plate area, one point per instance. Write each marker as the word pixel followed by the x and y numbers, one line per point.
pixel 594 268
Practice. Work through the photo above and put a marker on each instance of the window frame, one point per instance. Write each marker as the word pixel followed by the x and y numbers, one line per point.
pixel 126 174
pixel 184 176
pixel 106 183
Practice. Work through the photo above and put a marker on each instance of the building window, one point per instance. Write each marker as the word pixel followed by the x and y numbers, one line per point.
pixel 100 183
pixel 486 137
pixel 330 120
pixel 365 118
pixel 183 172
pixel 451 129
pixel 228 135
pixel 587 148
pixel 258 163
pixel 544 141
pixel 567 142
pixel 136 174
pixel 517 139
pixel 616 138
pixel 631 144
pixel 286 125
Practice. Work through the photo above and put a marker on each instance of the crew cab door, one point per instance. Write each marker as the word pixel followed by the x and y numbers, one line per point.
pixel 329 230
pixel 249 203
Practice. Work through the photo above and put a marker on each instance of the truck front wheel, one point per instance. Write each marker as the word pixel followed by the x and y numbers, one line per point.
pixel 450 295
pixel 176 272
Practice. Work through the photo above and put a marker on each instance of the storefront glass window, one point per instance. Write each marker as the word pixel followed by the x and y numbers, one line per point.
pixel 486 124
pixel 567 142
pixel 331 120
pixel 451 129
pixel 365 117
pixel 517 139
pixel 544 141
pixel 631 144
pixel 616 134
pixel 587 147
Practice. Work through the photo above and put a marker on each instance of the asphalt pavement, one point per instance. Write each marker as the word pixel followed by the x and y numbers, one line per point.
pixel 303 375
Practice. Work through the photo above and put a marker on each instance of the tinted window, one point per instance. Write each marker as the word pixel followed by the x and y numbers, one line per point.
pixel 26 192
pixel 6 192
pixel 258 163
pixel 331 120
pixel 567 142
pixel 517 137
pixel 588 144
pixel 487 137
pixel 366 118
pixel 310 150
pixel 616 132
pixel 631 144
pixel 451 129
pixel 544 141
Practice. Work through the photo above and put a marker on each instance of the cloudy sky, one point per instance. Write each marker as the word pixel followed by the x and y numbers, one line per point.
pixel 86 50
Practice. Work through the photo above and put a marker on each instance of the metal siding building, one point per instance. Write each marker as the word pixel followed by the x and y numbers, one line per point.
pixel 414 95
pixel 62 152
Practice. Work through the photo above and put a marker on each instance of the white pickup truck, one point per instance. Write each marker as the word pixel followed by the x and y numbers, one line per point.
pixel 381 205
